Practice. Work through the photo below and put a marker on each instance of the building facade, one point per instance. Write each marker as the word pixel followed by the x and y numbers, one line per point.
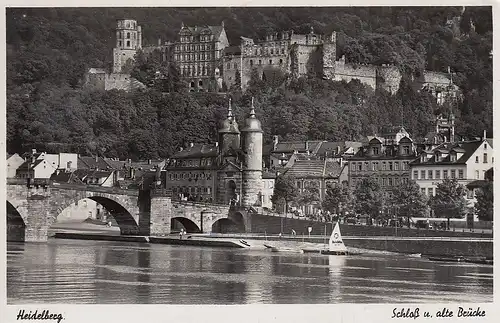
pixel 466 162
pixel 386 158
pixel 13 163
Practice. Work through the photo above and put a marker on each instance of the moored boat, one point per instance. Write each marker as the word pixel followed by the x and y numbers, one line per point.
pixel 336 245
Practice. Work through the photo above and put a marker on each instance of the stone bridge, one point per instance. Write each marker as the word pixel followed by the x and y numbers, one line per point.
pixel 32 210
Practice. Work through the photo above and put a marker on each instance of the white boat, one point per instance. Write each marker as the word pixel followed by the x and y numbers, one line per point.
pixel 336 245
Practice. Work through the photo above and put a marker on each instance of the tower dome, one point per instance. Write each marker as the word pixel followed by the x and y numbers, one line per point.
pixel 252 124
pixel 229 125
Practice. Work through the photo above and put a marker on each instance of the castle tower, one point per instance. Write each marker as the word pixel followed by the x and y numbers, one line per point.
pixel 329 55
pixel 252 168
pixel 229 134
pixel 128 41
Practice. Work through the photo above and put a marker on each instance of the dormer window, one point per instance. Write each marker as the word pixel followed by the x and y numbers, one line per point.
pixel 453 157
pixel 406 150
pixel 375 151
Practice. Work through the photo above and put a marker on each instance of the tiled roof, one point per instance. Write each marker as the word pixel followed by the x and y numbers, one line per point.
pixel 24 166
pixel 314 168
pixel 65 177
pixel 85 162
pixel 467 148
pixel 95 70
pixel 490 141
pixel 232 50
pixel 291 146
pixel 436 77
pixel 268 175
pixel 331 146
pixel 215 30
pixel 198 150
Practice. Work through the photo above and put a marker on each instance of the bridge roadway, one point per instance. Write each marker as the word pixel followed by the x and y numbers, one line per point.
pixel 33 209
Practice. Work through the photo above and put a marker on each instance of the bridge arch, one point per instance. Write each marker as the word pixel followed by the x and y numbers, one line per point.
pixel 126 222
pixel 188 225
pixel 16 227
pixel 233 223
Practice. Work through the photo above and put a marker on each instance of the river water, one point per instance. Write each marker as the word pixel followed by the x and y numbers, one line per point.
pixel 99 272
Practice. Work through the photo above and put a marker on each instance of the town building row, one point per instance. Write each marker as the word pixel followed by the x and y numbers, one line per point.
pixel 239 170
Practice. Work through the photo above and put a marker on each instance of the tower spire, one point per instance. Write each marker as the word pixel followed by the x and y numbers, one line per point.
pixel 252 112
pixel 229 110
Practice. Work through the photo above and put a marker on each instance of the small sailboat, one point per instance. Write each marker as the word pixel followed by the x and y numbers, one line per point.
pixel 336 245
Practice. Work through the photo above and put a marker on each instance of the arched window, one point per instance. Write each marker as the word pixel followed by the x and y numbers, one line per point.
pixel 128 43
pixel 128 35
pixel 235 66
pixel 270 61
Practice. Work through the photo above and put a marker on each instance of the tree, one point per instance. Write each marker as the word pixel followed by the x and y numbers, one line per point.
pixel 236 86
pixel 369 198
pixel 285 191
pixel 484 203
pixel 449 201
pixel 338 199
pixel 309 195
pixel 409 200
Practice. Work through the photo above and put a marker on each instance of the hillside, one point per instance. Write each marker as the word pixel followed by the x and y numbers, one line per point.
pixel 49 50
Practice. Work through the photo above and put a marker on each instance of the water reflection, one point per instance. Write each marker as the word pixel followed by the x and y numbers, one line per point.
pixel 64 271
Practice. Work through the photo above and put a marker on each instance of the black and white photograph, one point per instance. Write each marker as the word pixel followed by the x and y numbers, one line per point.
pixel 250 155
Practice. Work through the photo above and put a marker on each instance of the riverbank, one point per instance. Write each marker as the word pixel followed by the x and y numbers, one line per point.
pixel 430 246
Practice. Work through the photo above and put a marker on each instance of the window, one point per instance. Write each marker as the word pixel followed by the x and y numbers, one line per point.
pixel 445 174
pixel 477 159
pixel 485 146
pixel 299 185
pixel 429 174
pixel 422 174
pixel 406 150
pixel 396 166
pixel 128 35
pixel 366 166
pixel 353 166
pixel 359 166
pixel 422 190
pixel 272 51
pixel 460 173
pixel 384 181
pixel 415 174
pixel 120 43
pixel 128 43
pixel 477 174
pixel 281 61
pixel 375 150
pixel 438 174
pixel 235 66
pixel 260 62
pixel 485 158
pixel 431 191
pixel 251 62
pixel 270 61
pixel 390 181
pixel 384 166
pixel 390 165
pixel 453 173
pixel 228 65
pixel 484 174
pixel 406 165
pixel 396 181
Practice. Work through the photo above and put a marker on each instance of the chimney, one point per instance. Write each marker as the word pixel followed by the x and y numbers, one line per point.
pixel 33 151
pixel 484 134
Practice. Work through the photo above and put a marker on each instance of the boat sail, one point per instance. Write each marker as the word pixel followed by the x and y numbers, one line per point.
pixel 336 245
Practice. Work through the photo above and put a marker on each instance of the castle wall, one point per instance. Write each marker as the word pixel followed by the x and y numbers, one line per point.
pixel 229 67
pixel 262 63
pixel 366 74
pixel 388 78
pixel 120 58
pixel 95 81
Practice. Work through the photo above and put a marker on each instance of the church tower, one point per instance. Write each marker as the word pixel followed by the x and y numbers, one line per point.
pixel 229 134
pixel 252 138
pixel 128 41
